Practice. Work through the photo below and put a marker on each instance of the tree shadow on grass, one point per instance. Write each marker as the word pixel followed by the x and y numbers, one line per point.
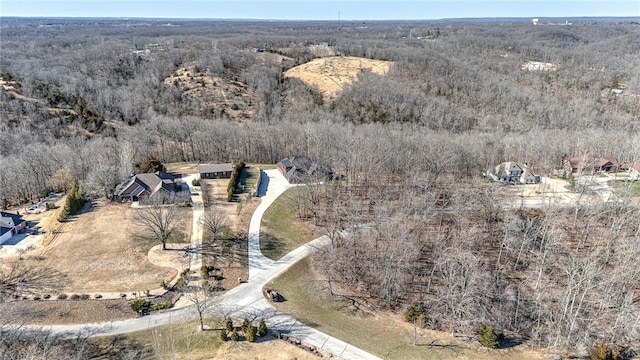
pixel 271 246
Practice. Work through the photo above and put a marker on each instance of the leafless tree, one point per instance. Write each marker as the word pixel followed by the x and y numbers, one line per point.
pixel 161 221
pixel 214 222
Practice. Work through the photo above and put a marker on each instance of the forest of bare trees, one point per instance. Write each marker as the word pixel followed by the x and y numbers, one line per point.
pixel 86 100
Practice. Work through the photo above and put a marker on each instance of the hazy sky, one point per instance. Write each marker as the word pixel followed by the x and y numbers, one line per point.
pixel 319 9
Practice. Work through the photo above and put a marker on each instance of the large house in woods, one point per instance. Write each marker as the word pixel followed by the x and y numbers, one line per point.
pixel 589 164
pixel 215 171
pixel 301 169
pixel 146 186
pixel 10 224
pixel 513 173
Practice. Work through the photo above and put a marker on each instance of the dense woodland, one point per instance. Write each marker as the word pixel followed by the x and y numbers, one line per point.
pixel 87 99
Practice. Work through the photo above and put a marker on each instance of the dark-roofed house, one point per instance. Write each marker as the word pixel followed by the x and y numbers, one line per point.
pixel 146 186
pixel 10 224
pixel 215 171
pixel 301 169
pixel 514 173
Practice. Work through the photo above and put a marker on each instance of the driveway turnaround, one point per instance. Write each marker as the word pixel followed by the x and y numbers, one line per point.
pixel 243 301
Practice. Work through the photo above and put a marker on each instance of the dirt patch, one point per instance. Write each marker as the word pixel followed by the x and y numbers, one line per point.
pixel 99 251
pixel 61 312
pixel 272 350
pixel 331 74
pixel 182 168
pixel 219 94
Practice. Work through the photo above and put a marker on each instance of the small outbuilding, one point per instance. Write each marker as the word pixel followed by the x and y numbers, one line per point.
pixel 215 171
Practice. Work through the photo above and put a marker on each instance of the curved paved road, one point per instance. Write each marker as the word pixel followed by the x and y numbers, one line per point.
pixel 244 301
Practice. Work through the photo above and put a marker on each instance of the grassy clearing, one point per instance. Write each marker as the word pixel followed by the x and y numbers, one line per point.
pixel 181 340
pixel 185 341
pixel 382 334
pixel 281 231
pixel 625 188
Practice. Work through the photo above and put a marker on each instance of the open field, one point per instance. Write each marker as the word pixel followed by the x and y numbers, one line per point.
pixel 379 332
pixel 99 250
pixel 331 74
pixel 281 230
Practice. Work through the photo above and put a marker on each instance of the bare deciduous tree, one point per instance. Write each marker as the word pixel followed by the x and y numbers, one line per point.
pixel 158 220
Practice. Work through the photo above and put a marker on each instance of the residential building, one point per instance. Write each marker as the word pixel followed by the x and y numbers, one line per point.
pixel 146 186
pixel 215 171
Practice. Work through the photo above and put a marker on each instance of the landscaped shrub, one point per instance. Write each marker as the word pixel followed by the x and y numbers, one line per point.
pixel 229 325
pixel 235 178
pixel 75 297
pixel 62 296
pixel 195 182
pixel 234 336
pixel 223 334
pixel 250 334
pixel 85 296
pixel 262 328
pixel 98 296
pixel 160 306
pixel 245 324
pixel 140 306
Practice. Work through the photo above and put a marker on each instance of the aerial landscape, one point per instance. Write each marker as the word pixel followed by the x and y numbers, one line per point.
pixel 303 185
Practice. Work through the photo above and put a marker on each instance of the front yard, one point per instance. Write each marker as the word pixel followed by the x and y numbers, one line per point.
pixel 101 250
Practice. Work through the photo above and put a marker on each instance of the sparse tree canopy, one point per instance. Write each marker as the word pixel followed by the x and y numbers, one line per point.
pixel 159 221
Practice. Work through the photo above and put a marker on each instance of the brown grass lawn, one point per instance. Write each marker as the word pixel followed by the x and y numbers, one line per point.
pixel 185 341
pixel 380 332
pixel 281 231
pixel 101 250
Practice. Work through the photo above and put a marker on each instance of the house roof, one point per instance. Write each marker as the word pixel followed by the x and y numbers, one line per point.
pixel 150 182
pixel 10 219
pixel 606 160
pixel 4 229
pixel 505 168
pixel 578 161
pixel 214 168
pixel 634 165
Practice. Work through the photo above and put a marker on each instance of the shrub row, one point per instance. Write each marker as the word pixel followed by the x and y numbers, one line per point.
pixel 250 331
pixel 74 202
pixel 235 178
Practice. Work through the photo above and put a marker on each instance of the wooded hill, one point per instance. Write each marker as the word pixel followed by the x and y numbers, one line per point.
pixel 88 99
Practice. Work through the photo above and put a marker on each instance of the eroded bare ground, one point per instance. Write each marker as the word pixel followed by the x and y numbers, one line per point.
pixel 331 74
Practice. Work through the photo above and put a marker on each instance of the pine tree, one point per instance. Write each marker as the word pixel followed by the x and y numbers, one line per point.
pixel 262 328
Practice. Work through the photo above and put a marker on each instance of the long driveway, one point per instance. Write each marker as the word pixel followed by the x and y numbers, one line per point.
pixel 244 301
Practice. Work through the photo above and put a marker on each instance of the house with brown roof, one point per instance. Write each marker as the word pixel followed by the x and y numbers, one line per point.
pixel 146 186
pixel 587 163
pixel 215 171
pixel 633 167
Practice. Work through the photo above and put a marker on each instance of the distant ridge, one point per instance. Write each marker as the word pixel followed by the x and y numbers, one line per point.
pixel 468 19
